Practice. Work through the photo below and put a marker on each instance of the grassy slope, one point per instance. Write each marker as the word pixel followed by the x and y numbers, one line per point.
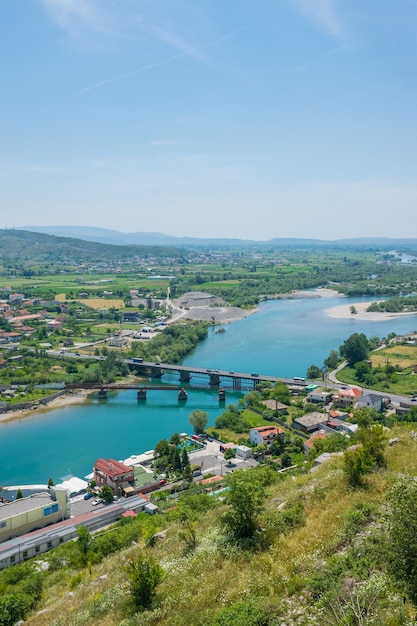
pixel 195 586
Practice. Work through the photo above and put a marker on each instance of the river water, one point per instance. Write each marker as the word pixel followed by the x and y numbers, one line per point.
pixel 283 338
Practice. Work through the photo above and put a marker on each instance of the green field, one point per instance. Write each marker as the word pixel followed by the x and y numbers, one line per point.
pixel 401 358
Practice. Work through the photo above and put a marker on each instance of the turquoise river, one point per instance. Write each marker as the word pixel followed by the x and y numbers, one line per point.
pixel 282 338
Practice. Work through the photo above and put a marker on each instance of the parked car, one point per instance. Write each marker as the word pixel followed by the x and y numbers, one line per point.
pixel 88 495
pixel 97 501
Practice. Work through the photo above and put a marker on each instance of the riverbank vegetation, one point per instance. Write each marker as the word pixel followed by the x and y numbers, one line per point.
pixel 395 305
pixel 312 548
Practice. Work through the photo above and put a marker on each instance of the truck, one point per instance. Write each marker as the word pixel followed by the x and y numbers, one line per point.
pixel 137 360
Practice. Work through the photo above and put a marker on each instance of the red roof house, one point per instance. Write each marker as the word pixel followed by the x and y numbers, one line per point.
pixel 116 475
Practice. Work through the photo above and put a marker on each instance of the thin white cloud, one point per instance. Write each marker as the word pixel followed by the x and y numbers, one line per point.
pixel 74 15
pixel 144 68
pixel 322 13
pixel 176 42
pixel 150 66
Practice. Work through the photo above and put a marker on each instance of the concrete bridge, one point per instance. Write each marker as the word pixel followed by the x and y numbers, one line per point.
pixel 237 381
pixel 215 377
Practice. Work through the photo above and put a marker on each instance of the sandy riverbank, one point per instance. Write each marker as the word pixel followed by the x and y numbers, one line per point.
pixel 343 312
pixel 322 292
pixel 67 399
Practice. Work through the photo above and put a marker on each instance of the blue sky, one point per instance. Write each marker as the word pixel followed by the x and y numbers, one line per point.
pixel 215 118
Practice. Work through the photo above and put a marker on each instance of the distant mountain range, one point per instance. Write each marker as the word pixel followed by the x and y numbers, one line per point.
pixel 28 245
pixel 115 237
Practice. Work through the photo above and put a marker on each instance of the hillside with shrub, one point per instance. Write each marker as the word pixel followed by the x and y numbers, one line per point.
pixel 311 547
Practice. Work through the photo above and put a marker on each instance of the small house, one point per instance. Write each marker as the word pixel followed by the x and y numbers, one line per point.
pixel 373 401
pixel 345 398
pixel 116 475
pixel 150 508
pixel 278 407
pixel 310 422
pixel 265 435
pixel 243 452
pixel 319 396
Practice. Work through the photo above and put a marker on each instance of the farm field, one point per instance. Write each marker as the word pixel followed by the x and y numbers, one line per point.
pixel 94 303
pixel 403 356
pixel 403 382
pixel 72 284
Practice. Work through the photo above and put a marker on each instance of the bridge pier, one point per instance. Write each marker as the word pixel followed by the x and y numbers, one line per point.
pixel 237 384
pixel 222 395
pixel 142 394
pixel 185 377
pixel 156 372
pixel 182 395
pixel 214 380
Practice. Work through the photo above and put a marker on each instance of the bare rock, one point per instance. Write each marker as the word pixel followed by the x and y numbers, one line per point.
pixel 393 441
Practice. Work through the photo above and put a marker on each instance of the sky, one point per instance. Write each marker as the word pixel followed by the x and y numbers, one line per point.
pixel 248 119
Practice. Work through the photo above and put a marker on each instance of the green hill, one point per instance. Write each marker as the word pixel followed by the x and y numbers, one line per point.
pixel 29 247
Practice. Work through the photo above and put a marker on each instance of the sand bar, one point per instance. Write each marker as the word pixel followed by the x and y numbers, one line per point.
pixel 343 311
pixel 322 292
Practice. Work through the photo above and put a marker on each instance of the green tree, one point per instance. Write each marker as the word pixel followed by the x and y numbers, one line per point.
pixel 198 420
pixel 184 459
pixel 229 454
pixel 84 544
pixel 42 332
pixel 187 473
pixel 313 372
pixel 175 439
pixel 364 417
pixel 363 372
pixel 50 482
pixel 107 493
pixel 280 393
pixel 245 498
pixel 355 348
pixel 176 460
pixel 187 516
pixel 332 360
pixel 19 494
pixel 412 414
pixel 71 368
pixel 259 450
pixel 162 448
pixel 373 439
pixel 402 534
pixel 355 465
pixel 286 460
pixel 277 446
pixel 13 607
pixel 144 576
